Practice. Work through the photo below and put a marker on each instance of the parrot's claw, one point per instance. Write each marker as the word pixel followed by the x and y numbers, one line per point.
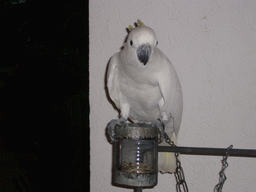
pixel 111 127
pixel 160 126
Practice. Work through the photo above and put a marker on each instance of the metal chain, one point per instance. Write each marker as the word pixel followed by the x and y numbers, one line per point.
pixel 179 174
pixel 223 178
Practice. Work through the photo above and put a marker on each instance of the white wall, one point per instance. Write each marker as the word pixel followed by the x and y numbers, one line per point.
pixel 212 45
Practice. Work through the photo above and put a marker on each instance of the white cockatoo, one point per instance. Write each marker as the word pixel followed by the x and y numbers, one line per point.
pixel 145 87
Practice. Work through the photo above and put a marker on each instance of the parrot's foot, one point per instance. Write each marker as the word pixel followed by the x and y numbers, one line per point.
pixel 160 126
pixel 111 127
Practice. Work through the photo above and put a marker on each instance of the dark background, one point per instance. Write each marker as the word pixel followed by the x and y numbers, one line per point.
pixel 44 105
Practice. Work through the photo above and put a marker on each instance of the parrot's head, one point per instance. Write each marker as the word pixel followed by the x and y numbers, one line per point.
pixel 141 42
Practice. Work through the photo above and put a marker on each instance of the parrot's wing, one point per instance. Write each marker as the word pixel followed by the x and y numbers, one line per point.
pixel 112 79
pixel 170 88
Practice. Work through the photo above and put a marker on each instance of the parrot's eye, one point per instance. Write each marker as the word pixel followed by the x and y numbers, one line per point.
pixel 157 43
pixel 131 43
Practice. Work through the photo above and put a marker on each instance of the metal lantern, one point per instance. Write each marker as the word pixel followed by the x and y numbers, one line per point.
pixel 135 155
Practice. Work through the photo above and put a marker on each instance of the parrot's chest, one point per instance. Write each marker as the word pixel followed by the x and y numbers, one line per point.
pixel 142 93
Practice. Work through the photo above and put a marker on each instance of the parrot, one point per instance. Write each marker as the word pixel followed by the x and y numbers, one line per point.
pixel 144 86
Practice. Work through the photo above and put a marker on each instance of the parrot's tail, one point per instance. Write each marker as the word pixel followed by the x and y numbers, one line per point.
pixel 167 160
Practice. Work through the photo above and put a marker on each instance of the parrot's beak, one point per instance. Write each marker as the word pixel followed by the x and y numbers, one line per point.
pixel 143 53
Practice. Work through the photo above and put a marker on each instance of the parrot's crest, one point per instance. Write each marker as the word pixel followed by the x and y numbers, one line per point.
pixel 138 24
